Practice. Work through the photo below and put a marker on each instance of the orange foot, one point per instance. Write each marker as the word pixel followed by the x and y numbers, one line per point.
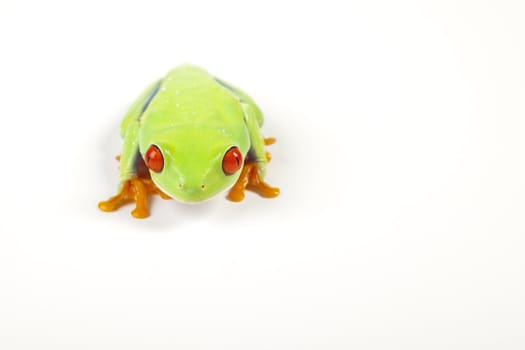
pixel 137 190
pixel 250 180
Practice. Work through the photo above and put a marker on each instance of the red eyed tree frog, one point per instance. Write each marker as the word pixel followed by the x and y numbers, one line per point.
pixel 190 136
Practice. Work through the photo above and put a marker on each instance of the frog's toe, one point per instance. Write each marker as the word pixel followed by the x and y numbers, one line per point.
pixel 164 196
pixel 269 141
pixel 236 194
pixel 107 206
pixel 264 190
pixel 140 213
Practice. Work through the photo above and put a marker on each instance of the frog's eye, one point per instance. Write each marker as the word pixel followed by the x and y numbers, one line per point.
pixel 232 161
pixel 154 159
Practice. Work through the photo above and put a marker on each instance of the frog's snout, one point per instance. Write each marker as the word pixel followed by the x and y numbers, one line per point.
pixel 194 191
pixel 192 188
pixel 189 188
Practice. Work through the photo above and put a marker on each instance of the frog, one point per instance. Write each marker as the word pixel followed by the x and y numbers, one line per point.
pixel 190 136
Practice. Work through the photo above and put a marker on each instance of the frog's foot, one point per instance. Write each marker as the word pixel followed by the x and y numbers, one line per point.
pixel 250 180
pixel 134 190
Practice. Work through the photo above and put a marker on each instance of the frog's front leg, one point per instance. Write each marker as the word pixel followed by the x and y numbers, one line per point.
pixel 135 183
pixel 132 190
pixel 135 190
pixel 251 179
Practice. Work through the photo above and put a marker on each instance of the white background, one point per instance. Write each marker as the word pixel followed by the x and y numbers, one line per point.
pixel 400 158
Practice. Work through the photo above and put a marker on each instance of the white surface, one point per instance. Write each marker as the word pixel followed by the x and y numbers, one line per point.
pixel 400 157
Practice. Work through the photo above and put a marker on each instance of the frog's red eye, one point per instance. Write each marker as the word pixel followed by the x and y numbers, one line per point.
pixel 232 161
pixel 154 159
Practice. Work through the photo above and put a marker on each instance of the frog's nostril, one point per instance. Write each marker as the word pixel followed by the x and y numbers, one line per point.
pixel 203 186
pixel 180 184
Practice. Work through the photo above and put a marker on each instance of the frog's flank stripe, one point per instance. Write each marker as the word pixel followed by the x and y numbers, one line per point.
pixel 150 97
pixel 228 87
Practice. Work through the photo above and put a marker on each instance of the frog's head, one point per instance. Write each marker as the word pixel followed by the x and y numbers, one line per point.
pixel 192 164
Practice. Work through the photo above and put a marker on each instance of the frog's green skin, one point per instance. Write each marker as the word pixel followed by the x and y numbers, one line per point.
pixel 194 118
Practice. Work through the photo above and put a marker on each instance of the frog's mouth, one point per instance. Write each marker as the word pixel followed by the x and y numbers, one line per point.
pixel 190 196
pixel 162 189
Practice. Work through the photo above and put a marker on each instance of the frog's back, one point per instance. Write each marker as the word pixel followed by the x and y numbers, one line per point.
pixel 189 95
